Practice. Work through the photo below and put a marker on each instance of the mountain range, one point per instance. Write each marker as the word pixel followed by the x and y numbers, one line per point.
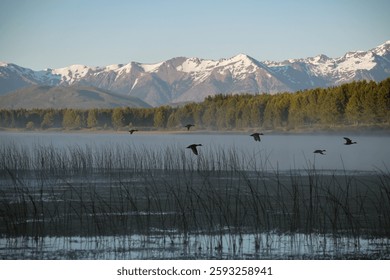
pixel 181 79
pixel 60 97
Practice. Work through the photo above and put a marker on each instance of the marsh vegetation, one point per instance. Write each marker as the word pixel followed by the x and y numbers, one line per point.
pixel 126 201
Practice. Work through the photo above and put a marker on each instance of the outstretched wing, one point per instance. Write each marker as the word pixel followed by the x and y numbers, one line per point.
pixel 194 149
pixel 256 136
pixel 348 140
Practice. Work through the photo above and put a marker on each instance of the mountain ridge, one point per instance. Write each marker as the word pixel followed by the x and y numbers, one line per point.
pixel 59 97
pixel 182 79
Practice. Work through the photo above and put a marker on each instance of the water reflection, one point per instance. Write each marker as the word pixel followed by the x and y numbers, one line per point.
pixel 145 196
pixel 196 246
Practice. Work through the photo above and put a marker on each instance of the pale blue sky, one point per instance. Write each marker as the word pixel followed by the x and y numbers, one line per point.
pixel 43 34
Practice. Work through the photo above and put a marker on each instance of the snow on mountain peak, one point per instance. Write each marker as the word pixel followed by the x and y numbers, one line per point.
pixel 73 68
pixel 151 67
pixel 120 68
pixel 353 61
pixel 112 67
pixel 180 77
pixel 240 65
pixel 72 73
pixel 200 69
pixel 321 58
pixel 382 49
pixel 196 65
pixel 240 57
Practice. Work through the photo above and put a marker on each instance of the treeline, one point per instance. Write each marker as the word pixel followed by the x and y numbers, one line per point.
pixel 356 103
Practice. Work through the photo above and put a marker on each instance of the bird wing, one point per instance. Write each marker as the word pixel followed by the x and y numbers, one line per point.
pixel 348 140
pixel 256 136
pixel 194 149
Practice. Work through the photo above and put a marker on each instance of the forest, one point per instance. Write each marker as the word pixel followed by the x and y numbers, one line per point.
pixel 356 104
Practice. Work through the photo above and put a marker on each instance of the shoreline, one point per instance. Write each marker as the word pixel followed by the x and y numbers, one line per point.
pixel 385 131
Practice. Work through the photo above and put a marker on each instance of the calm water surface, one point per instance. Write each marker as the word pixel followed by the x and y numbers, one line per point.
pixel 283 152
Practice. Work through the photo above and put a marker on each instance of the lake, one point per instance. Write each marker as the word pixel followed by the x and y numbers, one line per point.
pixel 145 196
pixel 283 152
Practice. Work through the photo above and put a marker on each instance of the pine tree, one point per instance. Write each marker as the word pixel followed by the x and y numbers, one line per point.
pixel 92 120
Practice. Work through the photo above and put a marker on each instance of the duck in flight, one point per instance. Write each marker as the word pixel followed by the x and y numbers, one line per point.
pixel 193 148
pixel 320 152
pixel 188 126
pixel 256 136
pixel 131 131
pixel 348 141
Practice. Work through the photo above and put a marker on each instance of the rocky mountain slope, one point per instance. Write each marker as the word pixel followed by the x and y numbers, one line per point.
pixel 183 79
pixel 58 97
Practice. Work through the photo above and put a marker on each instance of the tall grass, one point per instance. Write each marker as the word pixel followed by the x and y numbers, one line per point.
pixel 123 190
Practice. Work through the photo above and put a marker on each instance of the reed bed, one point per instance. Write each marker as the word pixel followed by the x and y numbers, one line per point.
pixel 168 192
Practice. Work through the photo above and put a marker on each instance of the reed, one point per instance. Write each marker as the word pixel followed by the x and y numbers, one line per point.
pixel 224 194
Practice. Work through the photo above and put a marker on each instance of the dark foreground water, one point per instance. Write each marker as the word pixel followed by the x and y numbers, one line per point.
pixel 196 246
pixel 145 196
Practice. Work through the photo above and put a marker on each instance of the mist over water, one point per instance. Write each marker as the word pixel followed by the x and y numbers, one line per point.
pixel 274 152
pixel 146 196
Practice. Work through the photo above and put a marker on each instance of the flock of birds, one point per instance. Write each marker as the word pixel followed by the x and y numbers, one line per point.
pixel 347 142
pixel 256 137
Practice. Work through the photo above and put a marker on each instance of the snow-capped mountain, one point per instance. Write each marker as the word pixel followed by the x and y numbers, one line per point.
pixel 320 71
pixel 192 79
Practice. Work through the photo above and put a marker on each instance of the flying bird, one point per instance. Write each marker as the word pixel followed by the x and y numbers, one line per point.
pixel 133 130
pixel 348 141
pixel 188 126
pixel 319 152
pixel 256 136
pixel 193 148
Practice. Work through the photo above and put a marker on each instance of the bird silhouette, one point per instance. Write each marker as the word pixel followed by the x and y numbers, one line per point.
pixel 188 126
pixel 348 141
pixel 133 130
pixel 193 148
pixel 319 152
pixel 256 136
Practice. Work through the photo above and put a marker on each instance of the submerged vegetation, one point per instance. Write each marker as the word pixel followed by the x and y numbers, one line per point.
pixel 218 202
pixel 355 104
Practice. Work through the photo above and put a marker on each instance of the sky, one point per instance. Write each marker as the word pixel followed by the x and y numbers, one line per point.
pixel 40 34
